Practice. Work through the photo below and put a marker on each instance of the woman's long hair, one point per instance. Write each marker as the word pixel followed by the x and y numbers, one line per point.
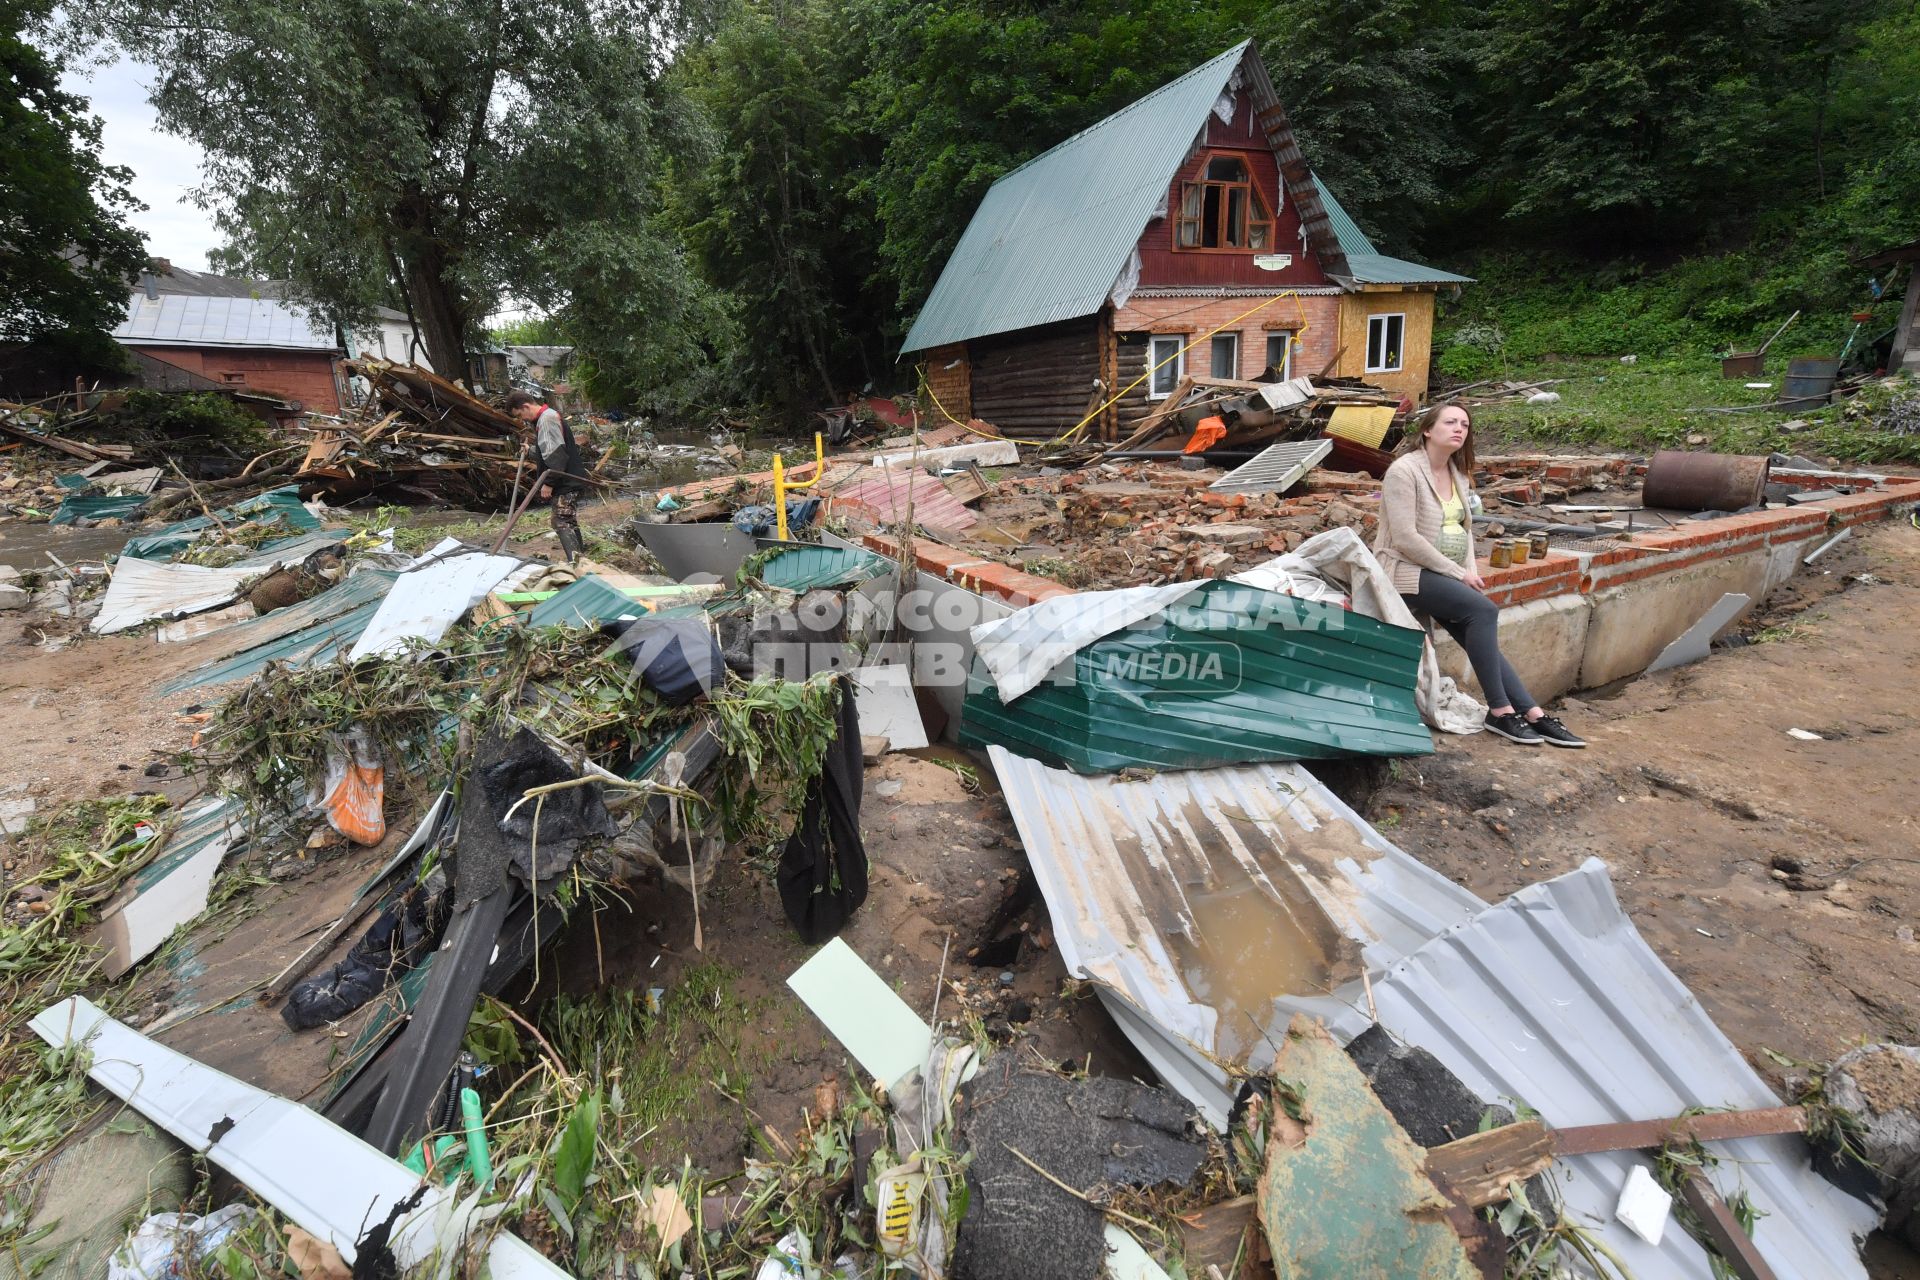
pixel 1417 438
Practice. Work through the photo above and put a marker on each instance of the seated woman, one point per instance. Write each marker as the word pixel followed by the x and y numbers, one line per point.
pixel 1425 542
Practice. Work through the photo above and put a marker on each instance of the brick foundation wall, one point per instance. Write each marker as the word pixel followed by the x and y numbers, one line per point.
pixel 950 378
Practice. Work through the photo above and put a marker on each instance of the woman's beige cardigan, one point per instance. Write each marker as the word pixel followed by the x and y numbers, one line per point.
pixel 1410 520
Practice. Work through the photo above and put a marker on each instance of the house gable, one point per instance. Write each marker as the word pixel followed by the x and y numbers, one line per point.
pixel 1163 265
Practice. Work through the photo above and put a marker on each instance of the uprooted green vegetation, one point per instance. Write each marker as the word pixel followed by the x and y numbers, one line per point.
pixel 72 860
pixel 269 742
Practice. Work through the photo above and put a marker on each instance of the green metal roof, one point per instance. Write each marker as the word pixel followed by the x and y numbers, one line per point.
pixel 803 566
pixel 1049 239
pixel 1366 264
pixel 1306 681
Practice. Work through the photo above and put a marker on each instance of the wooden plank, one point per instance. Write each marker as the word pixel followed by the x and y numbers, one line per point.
pixel 71 448
pixel 967 487
pixel 1221 1234
pixel 1709 1126
pixel 1734 1244
pixel 1478 1169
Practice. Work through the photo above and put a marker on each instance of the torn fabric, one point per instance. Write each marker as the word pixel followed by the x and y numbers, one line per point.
pixel 1021 649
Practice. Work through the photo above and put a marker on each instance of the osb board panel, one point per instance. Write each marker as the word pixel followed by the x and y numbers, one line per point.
pixel 1416 345
pixel 1344 1192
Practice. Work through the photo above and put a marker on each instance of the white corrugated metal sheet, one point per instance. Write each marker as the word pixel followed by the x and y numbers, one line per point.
pixel 173 320
pixel 1552 998
pixel 1128 869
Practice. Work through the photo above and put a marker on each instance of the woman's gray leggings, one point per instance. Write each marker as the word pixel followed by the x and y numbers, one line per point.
pixel 1474 621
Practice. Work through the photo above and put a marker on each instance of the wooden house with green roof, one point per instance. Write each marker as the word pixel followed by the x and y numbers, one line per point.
pixel 1184 235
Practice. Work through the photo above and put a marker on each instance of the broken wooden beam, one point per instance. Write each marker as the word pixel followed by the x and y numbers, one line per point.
pixel 1706 1126
pixel 1723 1228
pixel 1478 1169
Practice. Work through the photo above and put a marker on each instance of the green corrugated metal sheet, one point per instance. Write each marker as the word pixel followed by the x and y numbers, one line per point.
pixel 585 603
pixel 281 504
pixel 74 509
pixel 806 567
pixel 1050 237
pixel 1367 264
pixel 1313 682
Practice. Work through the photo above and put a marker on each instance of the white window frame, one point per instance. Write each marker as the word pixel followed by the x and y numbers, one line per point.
pixel 1177 369
pixel 1235 362
pixel 1286 366
pixel 1380 318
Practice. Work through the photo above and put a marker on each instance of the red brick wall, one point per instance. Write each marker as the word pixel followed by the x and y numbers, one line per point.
pixel 1161 265
pixel 950 379
pixel 1315 321
pixel 306 376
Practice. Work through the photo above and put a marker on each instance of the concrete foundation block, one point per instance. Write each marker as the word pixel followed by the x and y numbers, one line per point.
pixel 1543 639
pixel 1634 621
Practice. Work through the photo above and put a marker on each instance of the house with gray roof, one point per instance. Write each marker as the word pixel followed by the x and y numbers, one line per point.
pixel 1184 235
pixel 196 330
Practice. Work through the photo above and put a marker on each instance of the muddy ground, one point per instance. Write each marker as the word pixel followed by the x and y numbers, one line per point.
pixel 1779 877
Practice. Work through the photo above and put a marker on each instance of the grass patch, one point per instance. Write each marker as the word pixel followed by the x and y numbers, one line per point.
pixel 77 856
pixel 1067 573
pixel 1654 404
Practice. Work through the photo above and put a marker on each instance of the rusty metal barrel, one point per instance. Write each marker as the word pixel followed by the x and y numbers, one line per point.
pixel 1681 481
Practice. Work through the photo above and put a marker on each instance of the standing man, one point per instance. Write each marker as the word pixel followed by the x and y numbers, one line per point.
pixel 560 455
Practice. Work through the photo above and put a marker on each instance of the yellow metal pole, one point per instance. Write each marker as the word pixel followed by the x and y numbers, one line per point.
pixel 781 484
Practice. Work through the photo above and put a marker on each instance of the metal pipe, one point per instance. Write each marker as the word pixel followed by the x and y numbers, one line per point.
pixel 514 519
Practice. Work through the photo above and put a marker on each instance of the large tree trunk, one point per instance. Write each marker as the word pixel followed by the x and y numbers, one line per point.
pixel 437 306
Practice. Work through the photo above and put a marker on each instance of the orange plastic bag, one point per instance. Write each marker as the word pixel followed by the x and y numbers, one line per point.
pixel 355 795
pixel 1210 432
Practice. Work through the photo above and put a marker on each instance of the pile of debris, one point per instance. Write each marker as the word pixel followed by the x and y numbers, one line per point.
pixel 419 437
pixel 1225 416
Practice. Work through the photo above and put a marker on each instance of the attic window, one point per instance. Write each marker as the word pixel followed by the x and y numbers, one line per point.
pixel 1223 211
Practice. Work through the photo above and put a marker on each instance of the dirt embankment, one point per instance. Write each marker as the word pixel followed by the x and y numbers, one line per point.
pixel 1779 876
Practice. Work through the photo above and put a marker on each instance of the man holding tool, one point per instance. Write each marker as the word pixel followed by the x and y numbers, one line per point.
pixel 560 467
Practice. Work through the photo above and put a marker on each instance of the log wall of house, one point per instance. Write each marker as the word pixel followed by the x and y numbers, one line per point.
pixel 1314 319
pixel 1035 383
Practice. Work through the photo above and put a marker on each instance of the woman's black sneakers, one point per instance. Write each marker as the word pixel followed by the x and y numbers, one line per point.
pixel 1555 734
pixel 1515 728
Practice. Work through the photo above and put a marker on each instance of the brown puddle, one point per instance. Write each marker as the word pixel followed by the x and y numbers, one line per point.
pixel 1249 949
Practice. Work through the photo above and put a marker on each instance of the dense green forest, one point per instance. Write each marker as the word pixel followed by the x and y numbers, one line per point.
pixel 743 203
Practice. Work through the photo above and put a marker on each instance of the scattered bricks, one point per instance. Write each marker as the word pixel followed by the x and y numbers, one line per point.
pixel 1230 535
pixel 1525 492
pixel 1321 482
pixel 1228 501
pixel 1114 519
pixel 1215 564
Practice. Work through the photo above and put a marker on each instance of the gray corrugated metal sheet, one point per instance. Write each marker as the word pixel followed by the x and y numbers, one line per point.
pixel 1049 238
pixel 1366 264
pixel 197 321
pixel 1128 868
pixel 1554 999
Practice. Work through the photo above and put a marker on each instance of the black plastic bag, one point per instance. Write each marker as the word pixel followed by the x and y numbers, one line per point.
pixel 823 870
